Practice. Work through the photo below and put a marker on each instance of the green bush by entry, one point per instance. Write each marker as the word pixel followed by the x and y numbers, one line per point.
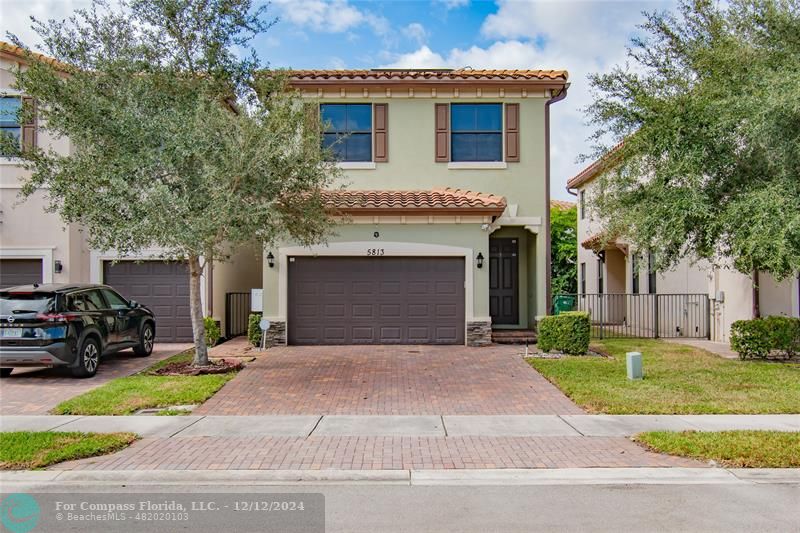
pixel 567 333
pixel 761 337
pixel 212 331
pixel 253 329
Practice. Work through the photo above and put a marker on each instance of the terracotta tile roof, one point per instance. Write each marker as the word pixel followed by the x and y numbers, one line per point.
pixel 428 74
pixel 441 201
pixel 589 173
pixel 596 242
pixel 20 53
pixel 562 204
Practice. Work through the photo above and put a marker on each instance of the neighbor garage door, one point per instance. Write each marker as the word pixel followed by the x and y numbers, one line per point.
pixel 369 300
pixel 20 272
pixel 163 287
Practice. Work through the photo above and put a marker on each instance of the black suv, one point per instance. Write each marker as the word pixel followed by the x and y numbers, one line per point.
pixel 70 325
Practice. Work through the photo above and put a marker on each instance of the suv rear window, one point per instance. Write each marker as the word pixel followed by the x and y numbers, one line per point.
pixel 15 303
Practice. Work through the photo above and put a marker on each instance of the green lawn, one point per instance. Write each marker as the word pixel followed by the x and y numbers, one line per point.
pixel 740 449
pixel 678 380
pixel 27 450
pixel 124 396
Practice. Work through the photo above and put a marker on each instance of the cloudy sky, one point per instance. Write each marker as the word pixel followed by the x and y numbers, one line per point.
pixel 580 36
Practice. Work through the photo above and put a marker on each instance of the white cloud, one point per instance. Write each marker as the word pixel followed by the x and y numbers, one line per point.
pixel 17 15
pixel 333 16
pixel 416 32
pixel 504 54
pixel 454 4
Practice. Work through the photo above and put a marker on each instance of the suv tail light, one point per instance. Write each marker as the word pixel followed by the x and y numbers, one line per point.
pixel 56 317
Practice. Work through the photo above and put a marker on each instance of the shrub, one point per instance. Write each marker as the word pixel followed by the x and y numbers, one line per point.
pixel 253 329
pixel 212 331
pixel 761 337
pixel 567 333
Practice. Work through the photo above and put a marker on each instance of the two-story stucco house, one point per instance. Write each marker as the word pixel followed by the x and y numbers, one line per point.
pixel 447 200
pixel 444 229
pixel 37 247
pixel 697 298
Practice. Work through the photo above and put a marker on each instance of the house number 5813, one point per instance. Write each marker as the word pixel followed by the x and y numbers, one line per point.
pixel 375 251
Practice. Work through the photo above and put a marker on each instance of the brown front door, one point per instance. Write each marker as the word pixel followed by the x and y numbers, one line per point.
pixel 376 300
pixel 504 281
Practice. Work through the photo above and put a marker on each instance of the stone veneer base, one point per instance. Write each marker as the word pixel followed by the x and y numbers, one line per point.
pixel 479 333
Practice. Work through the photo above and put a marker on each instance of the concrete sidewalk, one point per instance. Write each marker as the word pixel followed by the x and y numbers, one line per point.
pixel 40 479
pixel 398 426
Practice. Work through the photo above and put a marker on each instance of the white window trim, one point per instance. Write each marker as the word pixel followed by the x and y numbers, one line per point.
pixel 97 258
pixel 45 254
pixel 356 165
pixel 391 249
pixel 476 165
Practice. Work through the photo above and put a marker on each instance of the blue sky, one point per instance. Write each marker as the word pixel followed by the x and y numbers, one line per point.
pixel 580 36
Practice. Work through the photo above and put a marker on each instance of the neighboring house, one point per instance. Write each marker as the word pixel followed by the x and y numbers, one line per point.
pixel 717 297
pixel 447 201
pixel 37 247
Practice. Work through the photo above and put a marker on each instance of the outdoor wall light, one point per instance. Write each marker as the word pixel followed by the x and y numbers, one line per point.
pixel 479 260
pixel 58 267
pixel 270 259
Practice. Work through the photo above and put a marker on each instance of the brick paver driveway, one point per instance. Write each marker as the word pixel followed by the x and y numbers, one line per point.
pixel 36 391
pixel 389 380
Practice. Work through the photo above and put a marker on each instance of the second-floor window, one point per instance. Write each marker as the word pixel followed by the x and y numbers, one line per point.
pixel 349 131
pixel 9 117
pixel 476 132
pixel 582 201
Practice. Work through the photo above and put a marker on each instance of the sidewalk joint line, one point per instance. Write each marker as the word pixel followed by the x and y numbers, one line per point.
pixel 444 426
pixel 81 417
pixel 187 426
pixel 315 425
pixel 570 425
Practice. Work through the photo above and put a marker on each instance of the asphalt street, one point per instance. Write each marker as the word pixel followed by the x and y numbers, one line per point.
pixel 373 507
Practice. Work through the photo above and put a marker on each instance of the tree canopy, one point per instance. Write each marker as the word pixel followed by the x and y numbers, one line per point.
pixel 709 110
pixel 181 142
pixel 564 249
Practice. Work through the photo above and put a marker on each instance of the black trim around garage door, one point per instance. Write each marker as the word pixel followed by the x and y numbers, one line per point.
pixel 160 286
pixel 376 300
pixel 20 272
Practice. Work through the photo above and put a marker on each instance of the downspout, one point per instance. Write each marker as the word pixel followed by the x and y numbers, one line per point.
pixel 548 238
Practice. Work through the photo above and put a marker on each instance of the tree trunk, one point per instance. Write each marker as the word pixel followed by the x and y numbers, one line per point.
pixel 196 309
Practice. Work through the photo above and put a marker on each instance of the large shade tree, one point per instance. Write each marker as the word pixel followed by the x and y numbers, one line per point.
pixel 709 110
pixel 180 142
pixel 564 238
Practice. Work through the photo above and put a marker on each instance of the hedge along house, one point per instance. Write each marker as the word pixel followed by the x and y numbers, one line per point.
pixel 694 299
pixel 447 205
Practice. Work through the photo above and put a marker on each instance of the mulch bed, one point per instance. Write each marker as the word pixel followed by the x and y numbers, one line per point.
pixel 185 368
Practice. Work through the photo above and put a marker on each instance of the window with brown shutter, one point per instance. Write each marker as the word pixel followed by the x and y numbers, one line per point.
pixel 29 127
pixel 380 133
pixel 512 133
pixel 442 133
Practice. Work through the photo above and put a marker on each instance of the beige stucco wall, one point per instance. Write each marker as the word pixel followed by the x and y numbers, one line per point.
pixel 240 273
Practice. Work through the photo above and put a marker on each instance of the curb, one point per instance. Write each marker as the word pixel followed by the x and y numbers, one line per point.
pixel 558 476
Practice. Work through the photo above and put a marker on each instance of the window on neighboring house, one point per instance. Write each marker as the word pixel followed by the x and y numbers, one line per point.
pixel 582 201
pixel 635 274
pixel 651 273
pixel 9 117
pixel 583 278
pixel 599 276
pixel 349 132
pixel 476 132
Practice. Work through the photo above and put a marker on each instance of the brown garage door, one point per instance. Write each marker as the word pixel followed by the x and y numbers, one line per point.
pixel 163 287
pixel 376 300
pixel 20 272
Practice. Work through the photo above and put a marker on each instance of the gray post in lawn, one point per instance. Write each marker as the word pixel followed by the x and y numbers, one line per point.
pixel 634 364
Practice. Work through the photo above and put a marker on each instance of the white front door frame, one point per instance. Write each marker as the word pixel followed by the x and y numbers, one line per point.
pixel 45 254
pixel 388 249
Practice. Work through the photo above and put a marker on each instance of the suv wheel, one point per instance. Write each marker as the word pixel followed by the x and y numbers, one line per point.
pixel 88 359
pixel 5 372
pixel 146 340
